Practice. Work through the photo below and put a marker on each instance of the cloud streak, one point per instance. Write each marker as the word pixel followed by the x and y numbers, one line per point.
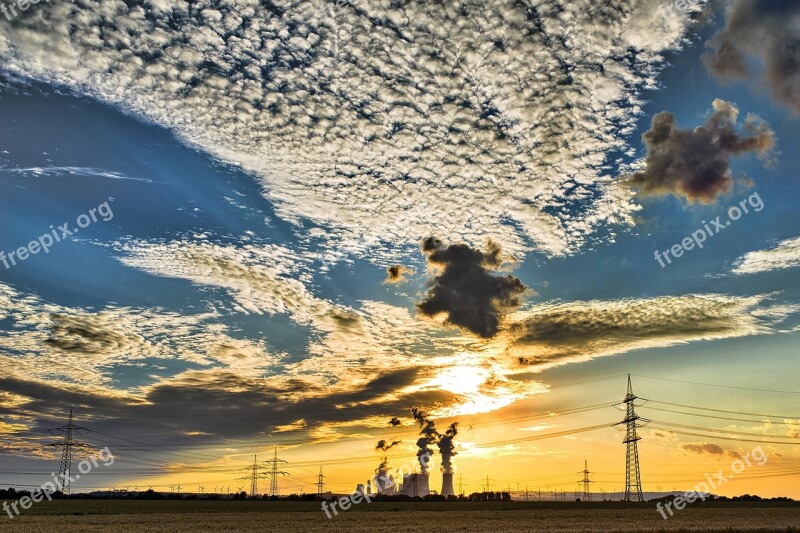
pixel 554 334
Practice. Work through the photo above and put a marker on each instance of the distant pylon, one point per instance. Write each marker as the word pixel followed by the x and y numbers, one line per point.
pixel 587 495
pixel 633 480
pixel 274 473
pixel 254 477
pixel 67 444
pixel 320 483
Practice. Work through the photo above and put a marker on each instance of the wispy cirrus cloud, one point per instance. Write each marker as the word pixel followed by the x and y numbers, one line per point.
pixel 35 172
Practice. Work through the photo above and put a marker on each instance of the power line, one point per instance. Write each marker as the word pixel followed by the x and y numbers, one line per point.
pixel 717 385
pixel 721 410
pixel 717 417
pixel 725 431
pixel 738 439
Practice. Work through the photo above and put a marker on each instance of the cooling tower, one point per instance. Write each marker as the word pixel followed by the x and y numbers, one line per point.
pixel 384 483
pixel 416 485
pixel 447 485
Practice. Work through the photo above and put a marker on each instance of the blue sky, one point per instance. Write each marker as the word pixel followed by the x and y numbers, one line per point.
pixel 246 259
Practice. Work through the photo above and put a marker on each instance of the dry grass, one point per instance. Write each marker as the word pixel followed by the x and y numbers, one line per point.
pixel 289 517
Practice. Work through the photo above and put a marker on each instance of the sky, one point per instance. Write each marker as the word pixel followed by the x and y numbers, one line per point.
pixel 229 226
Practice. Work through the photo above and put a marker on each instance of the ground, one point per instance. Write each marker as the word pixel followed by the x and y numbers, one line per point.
pixel 288 517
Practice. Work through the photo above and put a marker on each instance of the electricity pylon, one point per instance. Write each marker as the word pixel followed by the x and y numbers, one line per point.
pixel 587 495
pixel 254 477
pixel 67 444
pixel 274 473
pixel 320 483
pixel 633 479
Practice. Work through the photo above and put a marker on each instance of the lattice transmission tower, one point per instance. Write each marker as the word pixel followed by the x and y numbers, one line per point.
pixel 274 473
pixel 254 477
pixel 67 445
pixel 320 483
pixel 587 495
pixel 633 478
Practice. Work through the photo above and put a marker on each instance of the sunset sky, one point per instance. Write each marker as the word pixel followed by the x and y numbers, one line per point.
pixel 315 216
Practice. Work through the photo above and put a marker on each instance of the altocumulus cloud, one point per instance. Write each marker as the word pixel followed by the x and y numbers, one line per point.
pixel 354 117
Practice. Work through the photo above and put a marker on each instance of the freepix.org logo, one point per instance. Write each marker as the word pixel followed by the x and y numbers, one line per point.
pixel 46 490
pixel 709 229
pixel 13 9
pixel 56 235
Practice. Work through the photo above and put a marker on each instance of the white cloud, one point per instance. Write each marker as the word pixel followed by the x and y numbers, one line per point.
pixel 382 123
pixel 72 171
pixel 53 342
pixel 785 255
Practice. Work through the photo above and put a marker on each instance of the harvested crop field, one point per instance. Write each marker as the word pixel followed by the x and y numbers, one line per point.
pixel 179 516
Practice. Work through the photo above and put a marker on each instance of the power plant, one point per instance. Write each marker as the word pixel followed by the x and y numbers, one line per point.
pixel 417 484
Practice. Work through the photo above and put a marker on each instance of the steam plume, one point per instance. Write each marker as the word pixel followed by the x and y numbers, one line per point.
pixel 447 449
pixel 429 436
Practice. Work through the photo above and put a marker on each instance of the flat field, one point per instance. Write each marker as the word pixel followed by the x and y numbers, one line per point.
pixel 123 516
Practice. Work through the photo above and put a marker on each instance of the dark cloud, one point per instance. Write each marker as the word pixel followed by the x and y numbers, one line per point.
pixel 465 290
pixel 768 31
pixel 345 321
pixel 89 334
pixel 397 273
pixel 565 331
pixel 695 163
pixel 386 446
pixel 210 405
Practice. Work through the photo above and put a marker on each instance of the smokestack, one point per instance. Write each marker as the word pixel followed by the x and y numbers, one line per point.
pixel 447 485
